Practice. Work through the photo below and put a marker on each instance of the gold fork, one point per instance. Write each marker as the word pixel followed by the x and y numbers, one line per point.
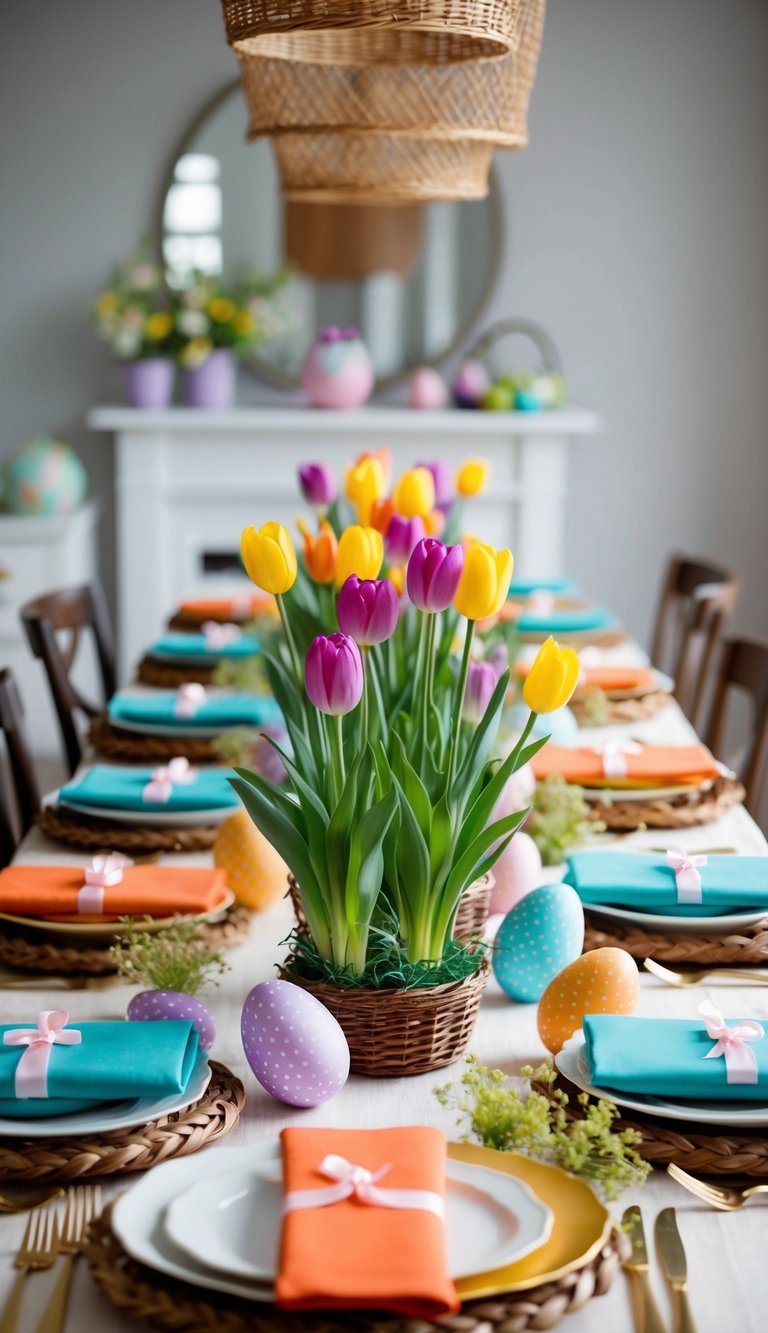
pixel 693 978
pixel 83 1204
pixel 727 1197
pixel 38 1249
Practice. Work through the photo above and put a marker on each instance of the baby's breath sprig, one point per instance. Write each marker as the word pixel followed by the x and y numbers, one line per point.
pixel 174 958
pixel 558 821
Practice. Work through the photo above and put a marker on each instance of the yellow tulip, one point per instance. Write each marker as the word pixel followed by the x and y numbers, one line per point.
pixel 485 581
pixel 552 678
pixel 472 477
pixel 414 493
pixel 364 486
pixel 269 557
pixel 361 552
pixel 159 325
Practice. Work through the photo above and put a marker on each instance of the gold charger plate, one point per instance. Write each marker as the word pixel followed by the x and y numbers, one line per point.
pixel 108 929
pixel 581 1227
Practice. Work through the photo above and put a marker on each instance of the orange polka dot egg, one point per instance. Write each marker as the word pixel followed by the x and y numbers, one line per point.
pixel 603 981
pixel 256 874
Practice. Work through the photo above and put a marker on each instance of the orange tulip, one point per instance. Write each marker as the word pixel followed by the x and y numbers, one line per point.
pixel 396 575
pixel 434 522
pixel 381 514
pixel 320 553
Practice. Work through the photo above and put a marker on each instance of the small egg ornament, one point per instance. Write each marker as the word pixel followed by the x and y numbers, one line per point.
pixel 427 390
pixel 542 934
pixel 152 1005
pixel 516 873
pixel 603 981
pixel 293 1044
pixel 472 381
pixel 256 874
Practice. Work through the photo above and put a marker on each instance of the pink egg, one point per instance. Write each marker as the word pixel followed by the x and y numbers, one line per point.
pixel 517 873
pixel 293 1044
pixel 471 382
pixel 159 1004
pixel 426 389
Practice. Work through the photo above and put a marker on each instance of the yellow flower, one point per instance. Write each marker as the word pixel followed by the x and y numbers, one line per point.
pixel 158 326
pixel 552 678
pixel 484 582
pixel 196 352
pixel 221 309
pixel 106 303
pixel 364 485
pixel 243 324
pixel 361 552
pixel 269 557
pixel 396 575
pixel 472 476
pixel 414 493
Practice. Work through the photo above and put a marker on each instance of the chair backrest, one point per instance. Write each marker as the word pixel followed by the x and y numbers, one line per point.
pixel 744 667
pixel 22 771
pixel 71 611
pixel 696 603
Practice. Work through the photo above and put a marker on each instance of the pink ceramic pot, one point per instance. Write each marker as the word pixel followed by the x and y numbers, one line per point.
pixel 338 372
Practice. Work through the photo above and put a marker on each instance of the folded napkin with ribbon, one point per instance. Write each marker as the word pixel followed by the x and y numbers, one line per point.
pixel 54 1066
pixel 607 678
pixel 363 1221
pixel 242 606
pixel 214 641
pixel 676 884
pixel 709 1058
pixel 175 786
pixel 109 888
pixel 627 765
pixel 527 587
pixel 194 706
pixel 539 617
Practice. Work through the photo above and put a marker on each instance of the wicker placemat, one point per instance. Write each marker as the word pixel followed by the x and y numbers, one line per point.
pixel 89 832
pixel 703 1150
pixel 166 1303
pixel 142 748
pixel 137 1149
pixel 599 710
pixel 682 811
pixel 169 675
pixel 748 946
pixel 33 951
pixel 597 638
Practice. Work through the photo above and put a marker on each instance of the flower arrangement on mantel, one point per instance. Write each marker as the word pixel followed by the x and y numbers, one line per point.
pixel 209 314
pixel 132 314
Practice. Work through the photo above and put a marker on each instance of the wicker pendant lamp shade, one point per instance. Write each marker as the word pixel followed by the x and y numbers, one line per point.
pixel 339 242
pixel 380 169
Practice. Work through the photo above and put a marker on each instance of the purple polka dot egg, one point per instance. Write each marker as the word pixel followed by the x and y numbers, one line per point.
pixel 293 1044
pixel 158 1004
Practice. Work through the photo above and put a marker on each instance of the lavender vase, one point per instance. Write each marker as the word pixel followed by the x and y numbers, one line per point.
pixel 211 384
pixel 148 384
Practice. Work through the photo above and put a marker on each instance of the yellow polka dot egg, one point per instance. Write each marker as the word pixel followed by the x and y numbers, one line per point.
pixel 603 981
pixel 256 874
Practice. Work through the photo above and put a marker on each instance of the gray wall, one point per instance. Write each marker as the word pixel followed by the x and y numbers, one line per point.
pixel 637 226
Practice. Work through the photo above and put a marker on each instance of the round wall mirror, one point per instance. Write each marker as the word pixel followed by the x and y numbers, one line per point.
pixel 413 280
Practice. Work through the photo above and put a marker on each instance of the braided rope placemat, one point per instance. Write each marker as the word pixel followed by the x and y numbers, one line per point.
pixel 137 1149
pixel 169 675
pixel 682 811
pixel 599 710
pixel 89 832
pixel 143 748
pixel 748 946
pixel 597 638
pixel 166 1303
pixel 707 1151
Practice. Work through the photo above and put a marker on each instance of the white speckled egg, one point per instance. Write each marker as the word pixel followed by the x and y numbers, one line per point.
pixel 516 873
pixel 293 1044
pixel 537 939
pixel 159 1004
pixel 602 981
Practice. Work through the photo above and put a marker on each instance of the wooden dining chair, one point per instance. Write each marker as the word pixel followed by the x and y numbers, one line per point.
pixel 744 669
pixel 696 603
pixel 24 793
pixel 47 621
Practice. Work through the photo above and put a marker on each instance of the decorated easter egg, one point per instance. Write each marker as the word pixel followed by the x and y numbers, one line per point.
pixel 516 873
pixel 603 981
pixel 44 477
pixel 157 1004
pixel 338 371
pixel 256 873
pixel 426 389
pixel 294 1045
pixel 472 381
pixel 542 934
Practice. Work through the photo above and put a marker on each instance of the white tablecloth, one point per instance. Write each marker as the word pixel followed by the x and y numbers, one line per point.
pixel 727 1266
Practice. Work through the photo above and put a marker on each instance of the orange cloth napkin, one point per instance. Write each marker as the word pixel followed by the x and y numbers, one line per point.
pixel 654 766
pixel 606 677
pixel 154 890
pixel 226 608
pixel 353 1255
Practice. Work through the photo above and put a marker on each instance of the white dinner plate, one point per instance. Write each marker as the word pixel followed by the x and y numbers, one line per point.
pixel 152 818
pixel 679 925
pixel 138 1217
pixel 572 1062
pixel 113 1115
pixel 108 929
pixel 609 795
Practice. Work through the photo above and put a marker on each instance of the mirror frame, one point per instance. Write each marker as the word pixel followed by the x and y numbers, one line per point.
pixel 263 370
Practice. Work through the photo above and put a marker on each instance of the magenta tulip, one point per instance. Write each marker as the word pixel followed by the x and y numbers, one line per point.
pixel 334 674
pixel 481 683
pixel 402 535
pixel 367 609
pixel 318 485
pixel 442 475
pixel 434 571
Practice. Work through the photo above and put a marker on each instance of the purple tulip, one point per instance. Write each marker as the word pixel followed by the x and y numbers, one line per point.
pixel 367 609
pixel 481 683
pixel 434 571
pixel 442 476
pixel 334 673
pixel 402 536
pixel 318 485
pixel 499 659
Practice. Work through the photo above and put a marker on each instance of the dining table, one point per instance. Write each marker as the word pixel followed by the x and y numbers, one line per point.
pixel 728 1272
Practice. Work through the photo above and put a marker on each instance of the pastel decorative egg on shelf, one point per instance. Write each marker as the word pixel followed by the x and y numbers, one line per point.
pixel 427 390
pixel 44 477
pixel 338 373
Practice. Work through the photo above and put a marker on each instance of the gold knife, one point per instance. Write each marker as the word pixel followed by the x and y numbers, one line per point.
pixel 673 1261
pixel 647 1317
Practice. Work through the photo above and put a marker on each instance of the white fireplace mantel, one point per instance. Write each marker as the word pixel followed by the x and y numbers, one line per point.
pixel 188 481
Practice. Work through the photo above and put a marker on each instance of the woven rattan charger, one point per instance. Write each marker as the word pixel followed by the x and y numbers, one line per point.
pixel 169 675
pixel 684 811
pixel 597 709
pixel 130 747
pixel 166 1303
pixel 93 834
pixel 137 1149
pixel 747 947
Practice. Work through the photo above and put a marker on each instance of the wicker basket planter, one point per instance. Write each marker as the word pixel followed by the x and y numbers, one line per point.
pixel 470 918
pixel 380 169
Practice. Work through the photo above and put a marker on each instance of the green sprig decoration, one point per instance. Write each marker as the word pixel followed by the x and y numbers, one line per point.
pixel 174 958
pixel 558 821
pixel 498 1115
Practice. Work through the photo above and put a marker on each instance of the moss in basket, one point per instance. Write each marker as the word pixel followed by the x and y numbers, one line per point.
pixel 172 959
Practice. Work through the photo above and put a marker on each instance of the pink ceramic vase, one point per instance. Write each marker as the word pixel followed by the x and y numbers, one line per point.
pixel 338 372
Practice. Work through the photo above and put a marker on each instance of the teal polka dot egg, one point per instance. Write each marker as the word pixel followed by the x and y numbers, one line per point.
pixel 44 477
pixel 542 934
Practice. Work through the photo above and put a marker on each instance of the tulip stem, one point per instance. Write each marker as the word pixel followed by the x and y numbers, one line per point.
pixel 523 737
pixel 372 664
pixel 429 671
pixel 458 704
pixel 288 632
pixel 337 755
pixel 365 653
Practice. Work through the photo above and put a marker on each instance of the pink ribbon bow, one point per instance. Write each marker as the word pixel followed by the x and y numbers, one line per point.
pixel 687 876
pixel 177 772
pixel 541 602
pixel 190 697
pixel 240 606
pixel 104 871
pixel 358 1182
pixel 740 1062
pixel 614 757
pixel 588 657
pixel 218 636
pixel 31 1079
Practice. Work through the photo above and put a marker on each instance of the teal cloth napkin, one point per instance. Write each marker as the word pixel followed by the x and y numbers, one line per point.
pixel 191 646
pixel 524 587
pixel 113 1062
pixel 645 881
pixel 218 710
pixel 665 1057
pixel 108 787
pixel 564 619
